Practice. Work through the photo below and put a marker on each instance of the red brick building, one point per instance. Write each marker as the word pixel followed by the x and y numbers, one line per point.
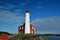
pixel 21 29
pixel 3 36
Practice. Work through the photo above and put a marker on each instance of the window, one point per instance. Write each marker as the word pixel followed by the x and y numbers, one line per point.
pixel 32 32
pixel 32 27
pixel 20 28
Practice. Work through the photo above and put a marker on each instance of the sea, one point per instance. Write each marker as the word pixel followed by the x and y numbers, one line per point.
pixel 53 37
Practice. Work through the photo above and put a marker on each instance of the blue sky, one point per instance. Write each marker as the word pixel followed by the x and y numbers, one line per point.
pixel 44 14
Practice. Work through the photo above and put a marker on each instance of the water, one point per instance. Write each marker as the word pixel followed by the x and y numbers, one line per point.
pixel 53 37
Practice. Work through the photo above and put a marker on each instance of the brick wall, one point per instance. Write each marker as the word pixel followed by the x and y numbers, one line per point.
pixel 3 37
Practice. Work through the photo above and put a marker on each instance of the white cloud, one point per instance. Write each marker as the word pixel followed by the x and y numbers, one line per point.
pixel 26 2
pixel 46 32
pixel 7 6
pixel 17 11
pixel 9 20
pixel 2 7
pixel 50 25
pixel 10 16
pixel 7 15
pixel 22 4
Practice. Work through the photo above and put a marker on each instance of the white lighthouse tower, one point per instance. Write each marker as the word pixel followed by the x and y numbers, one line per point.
pixel 27 23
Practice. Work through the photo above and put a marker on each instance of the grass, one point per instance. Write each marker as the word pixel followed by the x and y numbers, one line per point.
pixel 27 37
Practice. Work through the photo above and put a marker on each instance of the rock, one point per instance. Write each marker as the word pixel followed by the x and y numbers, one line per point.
pixel 28 37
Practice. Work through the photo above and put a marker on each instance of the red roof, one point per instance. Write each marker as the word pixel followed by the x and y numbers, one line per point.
pixel 27 11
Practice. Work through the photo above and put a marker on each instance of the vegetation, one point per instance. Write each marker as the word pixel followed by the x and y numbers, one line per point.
pixel 27 37
pixel 4 33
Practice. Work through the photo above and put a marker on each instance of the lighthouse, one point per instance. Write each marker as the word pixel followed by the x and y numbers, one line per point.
pixel 27 27
pixel 27 22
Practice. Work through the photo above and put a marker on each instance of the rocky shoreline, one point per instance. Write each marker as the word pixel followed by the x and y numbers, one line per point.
pixel 28 37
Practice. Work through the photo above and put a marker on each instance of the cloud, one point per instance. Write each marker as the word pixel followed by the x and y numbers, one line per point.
pixel 7 6
pixel 11 8
pixel 17 11
pixel 2 7
pixel 10 5
pixel 10 19
pixel 23 3
pixel 9 16
pixel 47 25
